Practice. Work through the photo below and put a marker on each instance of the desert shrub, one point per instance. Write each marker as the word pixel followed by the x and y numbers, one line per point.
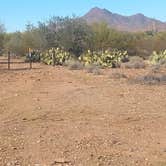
pixel 94 69
pixel 155 68
pixel 151 79
pixel 158 58
pixel 35 57
pixel 162 62
pixel 97 71
pixel 117 75
pixel 74 65
pixel 135 63
pixel 107 59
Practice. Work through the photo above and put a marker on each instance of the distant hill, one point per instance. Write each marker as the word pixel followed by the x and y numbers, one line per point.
pixel 134 23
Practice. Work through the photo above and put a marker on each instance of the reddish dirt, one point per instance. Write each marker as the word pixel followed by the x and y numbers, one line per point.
pixel 52 116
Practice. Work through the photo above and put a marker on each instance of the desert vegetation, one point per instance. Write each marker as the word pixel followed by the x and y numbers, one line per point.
pixel 60 40
pixel 74 36
pixel 94 97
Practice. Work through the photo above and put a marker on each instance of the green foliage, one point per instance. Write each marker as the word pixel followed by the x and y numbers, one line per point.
pixel 55 56
pixel 2 37
pixel 1 42
pixel 34 39
pixel 19 43
pixel 14 43
pixel 101 33
pixel 158 57
pixel 76 37
pixel 107 59
pixel 2 28
pixel 73 36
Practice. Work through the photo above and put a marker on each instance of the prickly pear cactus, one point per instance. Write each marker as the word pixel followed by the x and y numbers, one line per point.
pixel 106 59
pixel 158 57
pixel 55 56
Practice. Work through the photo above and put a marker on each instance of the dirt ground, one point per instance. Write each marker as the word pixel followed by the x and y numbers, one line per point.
pixel 53 116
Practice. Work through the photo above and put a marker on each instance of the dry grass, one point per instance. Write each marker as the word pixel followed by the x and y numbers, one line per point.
pixel 51 115
pixel 135 63
pixel 93 69
pixel 117 75
pixel 74 65
pixel 151 79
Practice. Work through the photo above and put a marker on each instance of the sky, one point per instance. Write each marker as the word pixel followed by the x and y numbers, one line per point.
pixel 15 14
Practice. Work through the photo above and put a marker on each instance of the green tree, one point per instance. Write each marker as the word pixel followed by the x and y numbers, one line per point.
pixel 2 36
pixel 101 34
pixel 14 43
pixel 74 35
pixel 33 38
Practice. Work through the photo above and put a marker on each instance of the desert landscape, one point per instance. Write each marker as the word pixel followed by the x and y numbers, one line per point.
pixel 53 116
pixel 82 83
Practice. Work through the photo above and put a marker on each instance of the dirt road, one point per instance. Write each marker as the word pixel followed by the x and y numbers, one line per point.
pixel 55 116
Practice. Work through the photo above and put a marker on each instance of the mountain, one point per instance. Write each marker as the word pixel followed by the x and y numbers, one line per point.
pixel 134 23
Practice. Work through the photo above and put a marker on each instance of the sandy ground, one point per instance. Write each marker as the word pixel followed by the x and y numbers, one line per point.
pixel 52 116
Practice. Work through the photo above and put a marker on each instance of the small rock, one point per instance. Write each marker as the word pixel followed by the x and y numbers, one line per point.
pixel 36 99
pixel 39 108
pixel 17 163
pixel 114 141
pixel 91 155
pixel 16 95
pixel 24 119
pixel 8 164
pixel 14 148
pixel 38 141
pixel 60 161
pixel 37 165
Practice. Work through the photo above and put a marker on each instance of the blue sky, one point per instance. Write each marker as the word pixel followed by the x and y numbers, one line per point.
pixel 16 13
